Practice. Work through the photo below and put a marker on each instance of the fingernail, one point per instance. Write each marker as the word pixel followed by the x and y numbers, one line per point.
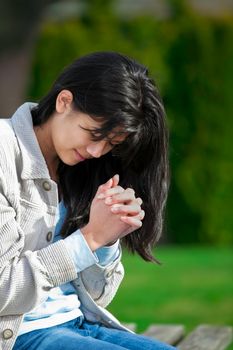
pixel 101 196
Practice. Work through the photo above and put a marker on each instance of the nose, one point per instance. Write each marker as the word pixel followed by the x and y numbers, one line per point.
pixel 97 149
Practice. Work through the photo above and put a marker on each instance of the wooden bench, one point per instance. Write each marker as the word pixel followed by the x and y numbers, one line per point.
pixel 204 337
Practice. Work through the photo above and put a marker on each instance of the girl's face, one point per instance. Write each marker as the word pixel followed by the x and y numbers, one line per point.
pixel 71 143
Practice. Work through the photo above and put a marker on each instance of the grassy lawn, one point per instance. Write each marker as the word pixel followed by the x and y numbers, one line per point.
pixel 194 285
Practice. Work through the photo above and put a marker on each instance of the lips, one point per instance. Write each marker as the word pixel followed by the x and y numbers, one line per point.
pixel 79 156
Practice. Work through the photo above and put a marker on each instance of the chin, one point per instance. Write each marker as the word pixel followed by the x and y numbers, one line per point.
pixel 70 162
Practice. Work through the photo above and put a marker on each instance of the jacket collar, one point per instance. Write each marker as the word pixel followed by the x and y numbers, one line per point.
pixel 34 165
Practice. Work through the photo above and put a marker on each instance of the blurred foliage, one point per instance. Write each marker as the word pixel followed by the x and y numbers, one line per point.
pixel 191 59
pixel 193 286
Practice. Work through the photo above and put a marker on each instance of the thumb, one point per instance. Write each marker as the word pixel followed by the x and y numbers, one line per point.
pixel 104 187
pixel 115 180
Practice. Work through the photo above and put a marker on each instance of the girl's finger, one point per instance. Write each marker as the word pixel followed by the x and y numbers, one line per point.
pixel 110 192
pixel 124 197
pixel 126 209
pixel 104 187
pixel 140 216
pixel 139 200
pixel 113 182
pixel 132 221
pixel 115 179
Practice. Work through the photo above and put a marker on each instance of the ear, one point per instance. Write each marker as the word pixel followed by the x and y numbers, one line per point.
pixel 64 101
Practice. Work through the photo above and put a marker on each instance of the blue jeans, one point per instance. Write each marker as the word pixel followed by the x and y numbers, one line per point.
pixel 76 335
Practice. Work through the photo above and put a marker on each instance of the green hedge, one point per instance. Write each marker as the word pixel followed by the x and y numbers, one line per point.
pixel 191 58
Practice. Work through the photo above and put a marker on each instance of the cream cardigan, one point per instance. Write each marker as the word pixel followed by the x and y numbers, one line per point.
pixel 29 264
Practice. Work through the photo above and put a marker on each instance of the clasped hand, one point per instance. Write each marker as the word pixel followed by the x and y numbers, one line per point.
pixel 114 213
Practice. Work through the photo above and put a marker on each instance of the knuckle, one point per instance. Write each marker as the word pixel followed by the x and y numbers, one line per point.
pixel 142 215
pixel 139 223
pixel 120 189
pixel 136 207
pixel 130 190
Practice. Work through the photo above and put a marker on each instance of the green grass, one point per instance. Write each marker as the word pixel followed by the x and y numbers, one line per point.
pixel 193 286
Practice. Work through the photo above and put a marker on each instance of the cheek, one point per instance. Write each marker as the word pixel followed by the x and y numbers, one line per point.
pixel 108 148
pixel 61 137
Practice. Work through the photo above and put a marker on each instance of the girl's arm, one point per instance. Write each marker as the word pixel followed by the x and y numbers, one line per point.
pixel 27 276
pixel 102 282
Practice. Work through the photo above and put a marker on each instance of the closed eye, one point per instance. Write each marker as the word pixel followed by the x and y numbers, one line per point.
pixel 113 144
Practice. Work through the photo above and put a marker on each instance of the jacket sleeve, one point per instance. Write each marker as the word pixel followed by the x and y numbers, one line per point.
pixel 100 273
pixel 102 282
pixel 27 276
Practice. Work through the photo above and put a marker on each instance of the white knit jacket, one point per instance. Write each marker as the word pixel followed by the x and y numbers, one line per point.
pixel 30 265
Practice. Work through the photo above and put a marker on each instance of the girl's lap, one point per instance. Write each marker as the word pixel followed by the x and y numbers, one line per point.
pixel 88 336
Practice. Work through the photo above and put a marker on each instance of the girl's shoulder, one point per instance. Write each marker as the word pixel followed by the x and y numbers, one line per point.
pixel 6 128
pixel 9 148
pixel 7 134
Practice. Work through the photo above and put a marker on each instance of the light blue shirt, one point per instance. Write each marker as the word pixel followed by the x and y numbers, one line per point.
pixel 62 304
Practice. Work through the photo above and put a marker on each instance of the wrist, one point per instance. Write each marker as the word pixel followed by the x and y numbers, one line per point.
pixel 88 235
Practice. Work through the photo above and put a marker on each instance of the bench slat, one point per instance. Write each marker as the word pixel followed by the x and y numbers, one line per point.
pixel 206 337
pixel 132 326
pixel 169 334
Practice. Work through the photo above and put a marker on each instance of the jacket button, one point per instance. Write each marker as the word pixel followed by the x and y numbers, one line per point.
pixel 7 334
pixel 46 186
pixel 49 236
pixel 109 274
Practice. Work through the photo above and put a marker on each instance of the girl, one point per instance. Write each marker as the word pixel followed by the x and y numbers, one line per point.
pixel 78 172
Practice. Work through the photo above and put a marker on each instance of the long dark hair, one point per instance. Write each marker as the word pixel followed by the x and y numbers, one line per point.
pixel 118 90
